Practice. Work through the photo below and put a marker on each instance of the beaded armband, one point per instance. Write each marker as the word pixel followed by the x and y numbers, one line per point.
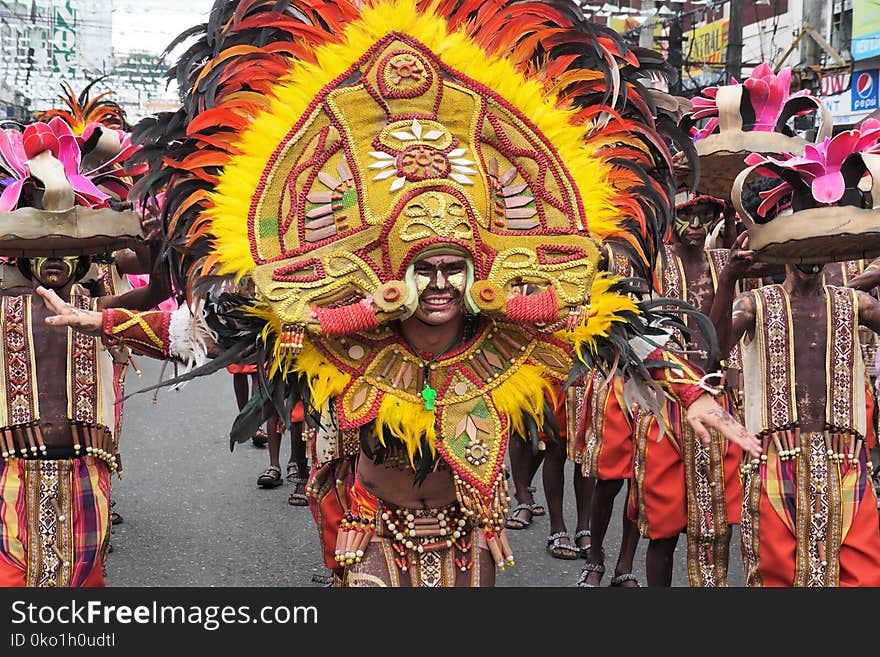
pixel 145 333
pixel 685 382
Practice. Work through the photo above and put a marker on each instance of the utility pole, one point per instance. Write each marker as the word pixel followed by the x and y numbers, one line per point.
pixel 646 34
pixel 810 50
pixel 676 56
pixel 733 68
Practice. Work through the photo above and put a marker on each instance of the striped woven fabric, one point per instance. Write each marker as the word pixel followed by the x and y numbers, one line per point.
pixel 32 492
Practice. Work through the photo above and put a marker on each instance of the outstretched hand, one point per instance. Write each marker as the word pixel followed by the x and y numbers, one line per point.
pixel 84 321
pixel 705 413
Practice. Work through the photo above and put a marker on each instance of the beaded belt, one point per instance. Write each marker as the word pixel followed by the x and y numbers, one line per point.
pixel 416 532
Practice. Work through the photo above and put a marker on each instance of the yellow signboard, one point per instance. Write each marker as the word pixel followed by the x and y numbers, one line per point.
pixel 705 48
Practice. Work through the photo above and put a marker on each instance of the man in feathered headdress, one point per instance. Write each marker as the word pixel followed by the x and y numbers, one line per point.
pixel 388 194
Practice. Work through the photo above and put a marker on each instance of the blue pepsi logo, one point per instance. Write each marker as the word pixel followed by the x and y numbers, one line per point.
pixel 864 85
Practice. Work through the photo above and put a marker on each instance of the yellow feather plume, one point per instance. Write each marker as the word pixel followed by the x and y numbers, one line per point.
pixel 606 307
pixel 523 393
pixel 324 379
pixel 407 422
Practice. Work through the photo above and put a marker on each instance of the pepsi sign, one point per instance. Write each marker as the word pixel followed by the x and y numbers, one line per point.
pixel 864 91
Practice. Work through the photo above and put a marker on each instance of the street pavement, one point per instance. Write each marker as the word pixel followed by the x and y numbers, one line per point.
pixel 194 516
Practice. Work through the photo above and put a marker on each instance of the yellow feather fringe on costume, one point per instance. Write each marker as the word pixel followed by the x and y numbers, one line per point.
pixel 407 422
pixel 325 380
pixel 605 309
pixel 523 393
pixel 232 198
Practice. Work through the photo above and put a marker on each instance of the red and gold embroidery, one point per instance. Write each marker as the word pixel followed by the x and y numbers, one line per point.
pixel 145 332
pixel 22 405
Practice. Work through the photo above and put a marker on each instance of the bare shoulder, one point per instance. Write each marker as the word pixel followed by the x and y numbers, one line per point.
pixel 744 303
pixel 867 304
pixel 866 300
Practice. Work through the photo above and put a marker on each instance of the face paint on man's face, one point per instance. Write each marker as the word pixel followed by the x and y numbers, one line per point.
pixel 54 271
pixel 440 281
pixel 456 281
pixel 422 282
pixel 809 269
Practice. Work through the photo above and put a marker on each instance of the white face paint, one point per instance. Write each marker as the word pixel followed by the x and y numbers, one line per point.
pixel 422 282
pixel 456 281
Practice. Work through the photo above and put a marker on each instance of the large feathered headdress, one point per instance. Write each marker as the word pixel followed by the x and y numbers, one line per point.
pixel 314 129
pixel 322 146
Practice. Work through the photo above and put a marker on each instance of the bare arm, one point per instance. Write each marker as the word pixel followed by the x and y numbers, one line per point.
pixel 869 311
pixel 868 279
pixel 142 298
pixel 732 318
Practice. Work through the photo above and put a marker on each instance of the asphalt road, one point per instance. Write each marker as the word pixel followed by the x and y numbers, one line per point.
pixel 194 516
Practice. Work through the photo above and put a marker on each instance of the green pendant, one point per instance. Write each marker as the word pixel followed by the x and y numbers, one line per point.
pixel 429 395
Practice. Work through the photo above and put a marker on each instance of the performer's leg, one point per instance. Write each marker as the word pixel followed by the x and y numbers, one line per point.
pixel 584 488
pixel 559 542
pixel 629 542
pixel 777 547
pixel 603 506
pixel 240 386
pixel 659 560
pixel 297 466
pixel 523 466
pixel 860 552
pixel 271 476
pixel 261 437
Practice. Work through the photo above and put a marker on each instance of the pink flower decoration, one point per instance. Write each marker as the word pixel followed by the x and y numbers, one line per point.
pixel 768 94
pixel 820 167
pixel 17 148
pixel 13 162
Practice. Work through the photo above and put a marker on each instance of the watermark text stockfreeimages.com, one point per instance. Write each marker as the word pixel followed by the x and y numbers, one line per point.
pixel 209 617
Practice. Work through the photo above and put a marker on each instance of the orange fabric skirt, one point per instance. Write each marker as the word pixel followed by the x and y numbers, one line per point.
pixel 607 440
pixel 859 552
pixel 235 368
pixel 870 433
pixel 660 493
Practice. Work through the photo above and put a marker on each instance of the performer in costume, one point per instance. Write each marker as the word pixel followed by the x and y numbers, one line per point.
pixel 681 484
pixel 809 511
pixel 58 396
pixel 100 125
pixel 603 450
pixel 386 196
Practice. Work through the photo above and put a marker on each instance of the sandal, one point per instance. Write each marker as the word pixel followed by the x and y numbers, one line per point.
pixel 115 518
pixel 271 477
pixel 297 498
pixel 588 568
pixel 538 510
pixel 558 550
pixel 619 580
pixel 512 518
pixel 583 549
pixel 292 472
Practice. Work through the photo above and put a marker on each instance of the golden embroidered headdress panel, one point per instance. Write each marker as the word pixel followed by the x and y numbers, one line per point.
pixel 406 154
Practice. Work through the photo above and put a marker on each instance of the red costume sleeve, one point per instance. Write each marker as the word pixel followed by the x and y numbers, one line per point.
pixel 681 381
pixel 144 333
